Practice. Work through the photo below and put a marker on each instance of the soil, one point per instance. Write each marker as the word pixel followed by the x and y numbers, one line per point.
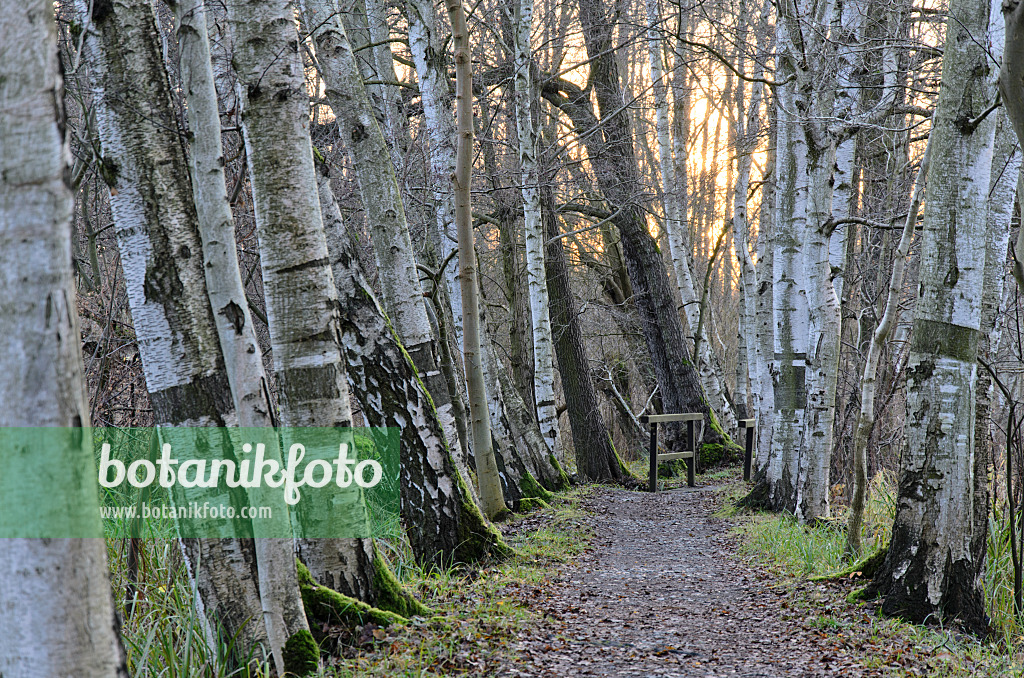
pixel 663 592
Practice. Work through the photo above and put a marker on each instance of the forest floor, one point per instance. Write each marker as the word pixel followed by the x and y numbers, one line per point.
pixel 611 582
pixel 663 592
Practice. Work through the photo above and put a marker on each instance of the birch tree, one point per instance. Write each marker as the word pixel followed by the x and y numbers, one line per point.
pixel 381 197
pixel 674 197
pixel 143 163
pixel 817 114
pixel 428 49
pixel 486 468
pixel 932 567
pixel 275 560
pixel 302 303
pixel 58 615
pixel 525 95
pixel 442 522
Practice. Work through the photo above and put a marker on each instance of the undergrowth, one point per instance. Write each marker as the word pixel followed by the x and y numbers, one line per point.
pixel 802 553
pixel 475 610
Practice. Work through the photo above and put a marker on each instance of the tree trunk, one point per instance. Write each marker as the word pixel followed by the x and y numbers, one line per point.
pixel 302 303
pixel 382 200
pixel 275 558
pixel 596 459
pixel 674 195
pixel 58 614
pixel 543 361
pixel 616 170
pixel 486 468
pixel 932 568
pixel 158 237
pixel 443 524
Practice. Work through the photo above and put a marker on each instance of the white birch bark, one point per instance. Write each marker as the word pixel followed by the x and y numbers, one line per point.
pixel 158 238
pixel 764 316
pixel 932 567
pixel 747 128
pixel 378 186
pixel 381 197
pixel 427 45
pixel 283 612
pixel 302 304
pixel 543 345
pixel 443 524
pixel 789 286
pixel 868 382
pixel 57 615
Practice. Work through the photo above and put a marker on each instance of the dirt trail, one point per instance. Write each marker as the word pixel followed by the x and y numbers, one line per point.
pixel 663 593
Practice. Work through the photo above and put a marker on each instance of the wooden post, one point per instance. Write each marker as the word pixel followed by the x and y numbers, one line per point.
pixel 652 475
pixel 748 456
pixel 691 467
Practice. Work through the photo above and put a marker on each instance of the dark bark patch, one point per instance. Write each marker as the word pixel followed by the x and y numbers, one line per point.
pixel 310 383
pixel 204 396
pixel 932 337
pixel 233 312
pixel 162 283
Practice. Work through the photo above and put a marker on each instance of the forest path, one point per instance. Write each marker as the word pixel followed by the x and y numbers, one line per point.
pixel 662 592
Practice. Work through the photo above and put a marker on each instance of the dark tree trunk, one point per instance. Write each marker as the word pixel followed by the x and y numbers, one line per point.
pixel 442 522
pixel 617 174
pixel 596 458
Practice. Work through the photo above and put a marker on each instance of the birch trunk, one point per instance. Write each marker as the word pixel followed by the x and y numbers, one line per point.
pixel 442 522
pixel 932 569
pixel 158 238
pixel 427 45
pixel 1005 173
pixel 275 559
pixel 58 615
pixel 302 303
pixel 747 128
pixel 764 314
pixel 789 362
pixel 1011 89
pixel 381 198
pixel 868 382
pixel 543 365
pixel 427 48
pixel 486 468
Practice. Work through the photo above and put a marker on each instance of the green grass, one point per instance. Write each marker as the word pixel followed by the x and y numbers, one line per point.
pixel 165 636
pixel 801 552
pixel 476 610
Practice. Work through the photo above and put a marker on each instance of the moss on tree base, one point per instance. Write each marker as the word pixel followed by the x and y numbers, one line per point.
pixel 865 568
pixel 531 489
pixel 301 654
pixel 391 597
pixel 477 537
pixel 326 606
pixel 563 479
pixel 527 504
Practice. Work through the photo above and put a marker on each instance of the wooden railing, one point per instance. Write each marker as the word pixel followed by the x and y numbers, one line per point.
pixel 691 418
